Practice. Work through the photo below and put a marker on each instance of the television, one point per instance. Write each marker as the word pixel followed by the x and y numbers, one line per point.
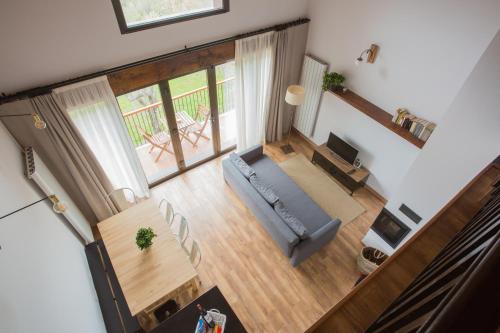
pixel 341 148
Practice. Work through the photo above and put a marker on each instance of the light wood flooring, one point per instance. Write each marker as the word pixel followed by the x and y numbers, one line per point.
pixel 238 255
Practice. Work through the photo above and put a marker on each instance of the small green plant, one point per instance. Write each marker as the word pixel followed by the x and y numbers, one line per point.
pixel 332 80
pixel 144 238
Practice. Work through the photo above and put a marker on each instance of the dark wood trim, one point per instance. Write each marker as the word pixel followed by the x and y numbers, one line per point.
pixel 461 207
pixel 144 75
pixel 126 29
pixel 192 166
pixel 214 109
pixel 169 110
pixel 382 117
pixel 375 193
pixel 48 88
pixel 305 138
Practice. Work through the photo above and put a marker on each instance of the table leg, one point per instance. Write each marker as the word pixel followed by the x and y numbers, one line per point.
pixel 147 320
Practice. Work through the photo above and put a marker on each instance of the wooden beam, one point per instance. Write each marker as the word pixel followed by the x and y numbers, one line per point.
pixel 147 74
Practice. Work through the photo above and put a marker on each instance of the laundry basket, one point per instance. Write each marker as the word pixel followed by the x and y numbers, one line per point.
pixel 369 259
pixel 219 319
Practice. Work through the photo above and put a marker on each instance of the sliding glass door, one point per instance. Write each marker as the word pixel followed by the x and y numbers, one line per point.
pixel 181 122
pixel 226 104
pixel 144 115
pixel 191 106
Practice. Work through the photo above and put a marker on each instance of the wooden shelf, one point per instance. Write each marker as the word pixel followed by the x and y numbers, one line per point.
pixel 382 117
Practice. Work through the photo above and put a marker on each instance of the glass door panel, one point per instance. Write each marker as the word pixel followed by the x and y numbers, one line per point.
pixel 144 116
pixel 226 104
pixel 191 102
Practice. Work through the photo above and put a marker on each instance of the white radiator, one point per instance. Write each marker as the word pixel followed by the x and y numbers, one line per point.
pixel 40 174
pixel 311 79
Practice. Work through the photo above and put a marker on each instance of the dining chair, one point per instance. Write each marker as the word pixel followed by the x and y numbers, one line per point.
pixel 123 198
pixel 203 113
pixel 169 213
pixel 183 231
pixel 193 253
pixel 159 140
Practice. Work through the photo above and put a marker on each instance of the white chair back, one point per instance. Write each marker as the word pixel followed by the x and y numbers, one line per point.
pixel 183 233
pixel 194 253
pixel 123 198
pixel 168 213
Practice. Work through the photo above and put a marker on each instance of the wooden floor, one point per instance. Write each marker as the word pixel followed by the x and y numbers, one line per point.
pixel 238 256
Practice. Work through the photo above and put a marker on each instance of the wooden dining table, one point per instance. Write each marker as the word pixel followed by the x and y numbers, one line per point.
pixel 150 277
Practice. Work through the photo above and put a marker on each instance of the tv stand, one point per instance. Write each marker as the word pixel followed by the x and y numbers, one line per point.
pixel 346 174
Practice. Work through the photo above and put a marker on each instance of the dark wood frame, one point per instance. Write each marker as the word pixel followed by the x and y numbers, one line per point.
pixel 126 29
pixel 168 109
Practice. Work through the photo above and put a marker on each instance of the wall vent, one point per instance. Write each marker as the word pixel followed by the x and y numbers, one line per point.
pixel 410 213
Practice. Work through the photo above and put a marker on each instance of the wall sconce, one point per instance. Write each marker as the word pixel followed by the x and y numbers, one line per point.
pixel 58 206
pixel 37 120
pixel 371 54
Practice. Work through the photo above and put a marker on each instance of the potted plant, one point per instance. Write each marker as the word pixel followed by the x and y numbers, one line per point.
pixel 333 81
pixel 144 238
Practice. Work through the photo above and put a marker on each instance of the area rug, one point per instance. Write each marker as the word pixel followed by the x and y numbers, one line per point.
pixel 323 190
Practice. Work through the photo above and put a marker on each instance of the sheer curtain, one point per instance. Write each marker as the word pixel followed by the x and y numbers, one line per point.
pixel 254 68
pixel 94 110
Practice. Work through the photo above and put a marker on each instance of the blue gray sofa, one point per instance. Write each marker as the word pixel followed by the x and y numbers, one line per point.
pixel 321 229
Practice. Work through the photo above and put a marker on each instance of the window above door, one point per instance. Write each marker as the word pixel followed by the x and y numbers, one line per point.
pixel 135 15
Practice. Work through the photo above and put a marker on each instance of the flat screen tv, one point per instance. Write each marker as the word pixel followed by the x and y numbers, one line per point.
pixel 342 148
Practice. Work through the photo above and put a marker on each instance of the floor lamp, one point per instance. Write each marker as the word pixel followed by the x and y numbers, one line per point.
pixel 294 96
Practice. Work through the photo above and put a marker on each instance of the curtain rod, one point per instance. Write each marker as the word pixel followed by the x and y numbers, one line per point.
pixel 48 88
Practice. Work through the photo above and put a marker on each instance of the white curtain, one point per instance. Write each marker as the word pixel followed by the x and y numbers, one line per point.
pixel 254 66
pixel 94 110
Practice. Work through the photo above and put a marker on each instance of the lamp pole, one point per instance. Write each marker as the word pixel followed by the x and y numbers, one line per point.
pixel 295 97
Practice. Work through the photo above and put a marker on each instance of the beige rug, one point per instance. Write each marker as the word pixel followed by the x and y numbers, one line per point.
pixel 323 190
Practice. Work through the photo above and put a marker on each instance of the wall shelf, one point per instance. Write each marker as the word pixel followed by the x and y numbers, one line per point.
pixel 382 117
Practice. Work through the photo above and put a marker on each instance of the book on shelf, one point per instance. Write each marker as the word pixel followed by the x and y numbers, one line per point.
pixel 418 127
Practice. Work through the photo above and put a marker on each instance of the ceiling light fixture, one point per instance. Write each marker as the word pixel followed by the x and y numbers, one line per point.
pixel 371 54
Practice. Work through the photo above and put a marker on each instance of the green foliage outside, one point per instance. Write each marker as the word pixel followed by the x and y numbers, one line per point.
pixel 137 11
pixel 153 120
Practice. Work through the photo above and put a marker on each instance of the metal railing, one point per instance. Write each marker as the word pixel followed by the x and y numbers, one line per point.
pixel 151 117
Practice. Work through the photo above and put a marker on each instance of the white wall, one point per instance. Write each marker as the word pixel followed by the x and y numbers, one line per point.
pixel 467 140
pixel 427 49
pixel 45 283
pixel 48 41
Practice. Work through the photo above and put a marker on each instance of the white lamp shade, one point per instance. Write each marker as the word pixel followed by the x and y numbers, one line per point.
pixel 295 95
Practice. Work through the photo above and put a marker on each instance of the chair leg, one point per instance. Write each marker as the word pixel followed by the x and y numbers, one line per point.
pixel 162 149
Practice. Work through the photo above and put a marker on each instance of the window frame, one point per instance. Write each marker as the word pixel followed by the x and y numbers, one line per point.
pixel 126 29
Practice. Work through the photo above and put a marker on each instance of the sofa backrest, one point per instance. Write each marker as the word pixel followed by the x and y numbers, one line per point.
pixel 274 225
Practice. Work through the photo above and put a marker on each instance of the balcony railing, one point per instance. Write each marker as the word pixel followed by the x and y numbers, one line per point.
pixel 151 117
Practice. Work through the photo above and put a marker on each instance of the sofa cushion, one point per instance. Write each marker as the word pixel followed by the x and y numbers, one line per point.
pixel 295 199
pixel 241 165
pixel 264 189
pixel 294 223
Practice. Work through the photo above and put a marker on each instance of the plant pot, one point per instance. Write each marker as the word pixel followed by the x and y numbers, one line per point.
pixel 337 88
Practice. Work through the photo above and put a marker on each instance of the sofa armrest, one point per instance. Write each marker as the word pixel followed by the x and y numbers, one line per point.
pixel 315 242
pixel 252 153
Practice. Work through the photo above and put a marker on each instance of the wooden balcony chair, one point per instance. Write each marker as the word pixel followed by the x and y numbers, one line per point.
pixel 159 140
pixel 203 113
